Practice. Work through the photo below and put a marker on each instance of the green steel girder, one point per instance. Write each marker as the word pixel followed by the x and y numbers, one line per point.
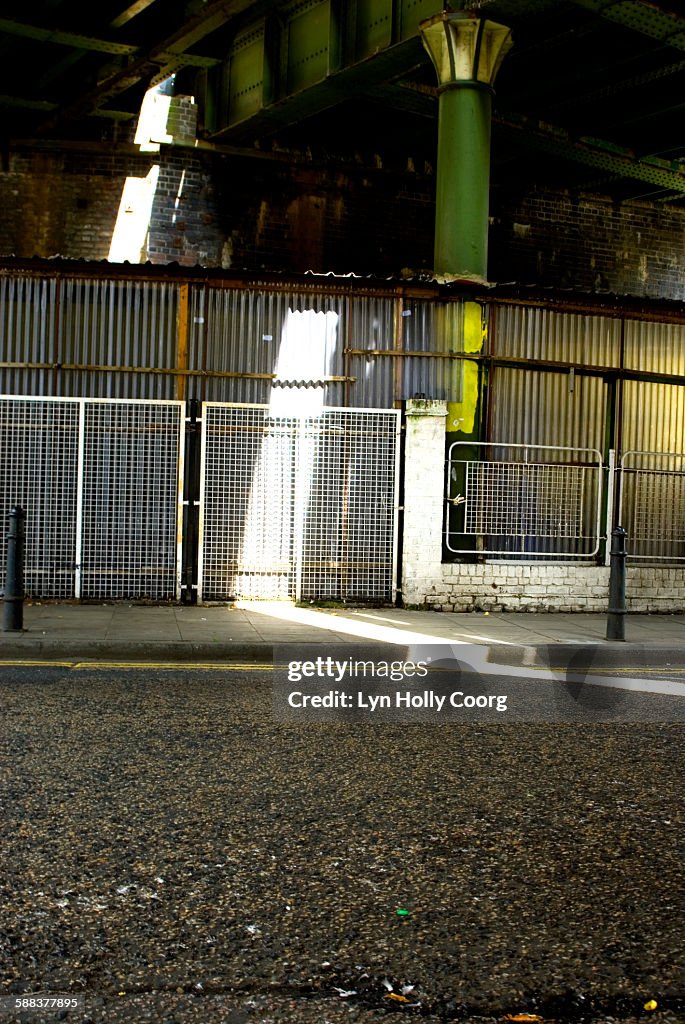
pixel 283 68
pixel 623 84
pixel 130 12
pixel 643 17
pixel 26 104
pixel 597 153
pixel 617 161
pixel 334 89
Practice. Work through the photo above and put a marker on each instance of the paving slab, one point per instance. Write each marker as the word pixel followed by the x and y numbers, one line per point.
pixel 250 630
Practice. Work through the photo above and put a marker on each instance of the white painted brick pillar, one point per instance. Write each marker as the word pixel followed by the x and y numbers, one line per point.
pixel 424 484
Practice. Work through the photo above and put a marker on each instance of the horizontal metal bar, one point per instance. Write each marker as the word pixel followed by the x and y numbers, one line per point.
pixel 172 371
pixel 554 366
pixel 657 558
pixel 510 361
pixel 521 363
pixel 401 353
pixel 92 401
pixel 528 447
pixel 395 413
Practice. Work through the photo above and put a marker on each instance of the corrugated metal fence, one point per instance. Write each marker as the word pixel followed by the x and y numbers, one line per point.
pixel 104 338
pixel 547 374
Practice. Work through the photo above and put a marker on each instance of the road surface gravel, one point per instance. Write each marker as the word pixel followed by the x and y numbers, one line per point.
pixel 175 855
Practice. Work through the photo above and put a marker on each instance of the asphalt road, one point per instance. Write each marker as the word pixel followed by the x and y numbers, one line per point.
pixel 173 853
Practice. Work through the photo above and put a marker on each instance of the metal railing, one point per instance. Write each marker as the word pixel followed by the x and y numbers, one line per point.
pixel 652 505
pixel 524 500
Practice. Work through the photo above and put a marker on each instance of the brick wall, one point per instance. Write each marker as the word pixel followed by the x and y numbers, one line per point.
pixel 531 587
pixel 588 243
pixel 290 216
pixel 369 216
pixel 183 220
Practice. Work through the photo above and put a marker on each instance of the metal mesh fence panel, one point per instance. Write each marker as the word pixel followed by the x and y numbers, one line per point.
pixel 524 500
pixel 540 502
pixel 247 503
pixel 130 499
pixel 347 469
pixel 652 508
pixel 39 471
pixel 298 507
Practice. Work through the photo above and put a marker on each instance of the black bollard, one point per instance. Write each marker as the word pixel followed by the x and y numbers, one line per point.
pixel 616 621
pixel 13 606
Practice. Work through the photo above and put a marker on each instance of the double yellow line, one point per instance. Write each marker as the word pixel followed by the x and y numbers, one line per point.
pixel 209 666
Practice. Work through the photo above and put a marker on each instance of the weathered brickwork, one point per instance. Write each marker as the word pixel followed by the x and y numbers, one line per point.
pixel 183 220
pixel 588 243
pixel 507 587
pixel 298 212
pixel 282 216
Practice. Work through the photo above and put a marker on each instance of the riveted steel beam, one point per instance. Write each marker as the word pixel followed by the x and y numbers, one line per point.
pixel 615 88
pixel 640 16
pixel 332 90
pixel 54 35
pixel 130 12
pixel 597 153
pixel 618 162
pixel 281 69
pixel 26 104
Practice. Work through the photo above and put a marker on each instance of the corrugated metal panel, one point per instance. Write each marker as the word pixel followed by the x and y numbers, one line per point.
pixel 530 407
pixel 532 333
pixel 235 331
pixel 127 323
pixel 371 327
pixel 655 347
pixel 433 327
pixel 27 333
pixel 652 486
pixel 425 327
pixel 653 417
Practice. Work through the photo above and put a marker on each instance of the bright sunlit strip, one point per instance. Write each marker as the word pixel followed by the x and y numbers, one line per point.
pixel 342 624
pixel 152 121
pixel 306 348
pixel 130 235
pixel 133 219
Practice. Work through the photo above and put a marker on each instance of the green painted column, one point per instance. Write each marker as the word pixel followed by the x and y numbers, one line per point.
pixel 466 53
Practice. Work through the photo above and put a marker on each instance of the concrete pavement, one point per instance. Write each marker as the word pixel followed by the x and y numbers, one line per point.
pixel 118 631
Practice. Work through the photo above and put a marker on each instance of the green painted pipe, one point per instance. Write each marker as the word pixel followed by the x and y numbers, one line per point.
pixel 463 180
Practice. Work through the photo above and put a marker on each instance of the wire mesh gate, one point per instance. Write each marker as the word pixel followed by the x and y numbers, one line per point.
pixel 101 482
pixel 523 501
pixel 298 507
pixel 652 505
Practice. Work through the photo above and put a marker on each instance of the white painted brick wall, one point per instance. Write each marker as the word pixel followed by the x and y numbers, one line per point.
pixel 423 503
pixel 496 586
